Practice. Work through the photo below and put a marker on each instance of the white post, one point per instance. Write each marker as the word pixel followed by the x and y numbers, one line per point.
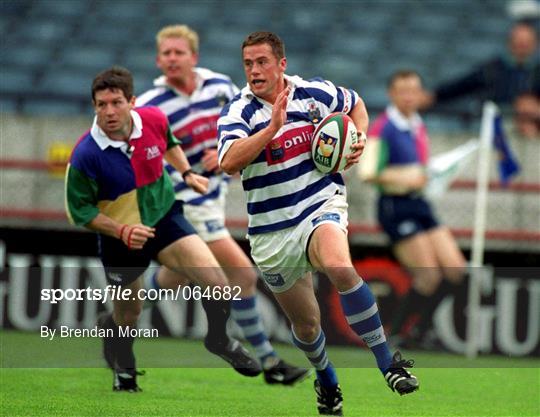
pixel 489 112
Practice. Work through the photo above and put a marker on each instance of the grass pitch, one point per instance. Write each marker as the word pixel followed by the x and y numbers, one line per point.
pixel 184 380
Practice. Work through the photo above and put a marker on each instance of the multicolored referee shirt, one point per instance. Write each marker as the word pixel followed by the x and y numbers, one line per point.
pixel 124 181
pixel 395 143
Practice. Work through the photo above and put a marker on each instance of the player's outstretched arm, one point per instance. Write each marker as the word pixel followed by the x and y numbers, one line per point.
pixel 243 151
pixel 177 158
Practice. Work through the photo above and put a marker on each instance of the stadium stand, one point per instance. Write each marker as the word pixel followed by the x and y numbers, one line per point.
pixel 359 49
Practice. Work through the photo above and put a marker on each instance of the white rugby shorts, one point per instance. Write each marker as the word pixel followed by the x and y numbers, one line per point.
pixel 281 256
pixel 208 219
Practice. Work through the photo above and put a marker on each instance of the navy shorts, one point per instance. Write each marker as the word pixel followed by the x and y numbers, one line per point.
pixel 123 266
pixel 404 216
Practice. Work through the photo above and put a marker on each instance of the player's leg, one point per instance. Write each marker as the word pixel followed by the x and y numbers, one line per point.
pixel 209 222
pixel 191 258
pixel 301 307
pixel 452 263
pixel 216 314
pixel 123 269
pixel 118 345
pixel 241 272
pixel 328 251
pixel 417 254
pixel 448 254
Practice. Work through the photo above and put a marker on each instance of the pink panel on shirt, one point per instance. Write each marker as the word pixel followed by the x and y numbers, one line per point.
pixel 422 144
pixel 376 128
pixel 147 157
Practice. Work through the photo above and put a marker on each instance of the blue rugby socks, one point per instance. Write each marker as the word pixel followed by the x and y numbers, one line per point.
pixel 245 314
pixel 316 353
pixel 362 315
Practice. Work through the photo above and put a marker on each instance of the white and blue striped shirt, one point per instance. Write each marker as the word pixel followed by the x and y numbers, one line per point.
pixel 282 185
pixel 193 120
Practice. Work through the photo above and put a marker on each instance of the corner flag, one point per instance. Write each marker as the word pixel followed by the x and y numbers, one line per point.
pixel 508 165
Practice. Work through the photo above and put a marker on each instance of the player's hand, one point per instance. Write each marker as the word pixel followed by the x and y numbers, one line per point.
pixel 210 160
pixel 418 182
pixel 357 150
pixel 135 236
pixel 279 110
pixel 426 100
pixel 197 182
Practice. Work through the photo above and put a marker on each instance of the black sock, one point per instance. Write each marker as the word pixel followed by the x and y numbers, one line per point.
pixel 217 314
pixel 122 347
pixel 412 302
pixel 426 319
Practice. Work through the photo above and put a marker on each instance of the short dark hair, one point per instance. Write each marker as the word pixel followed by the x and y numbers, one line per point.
pixel 114 78
pixel 256 38
pixel 402 73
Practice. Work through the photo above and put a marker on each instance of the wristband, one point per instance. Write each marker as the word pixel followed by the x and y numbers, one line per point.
pixel 186 173
pixel 121 233
pixel 129 237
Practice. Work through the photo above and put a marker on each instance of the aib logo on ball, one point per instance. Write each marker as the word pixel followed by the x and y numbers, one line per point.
pixel 325 149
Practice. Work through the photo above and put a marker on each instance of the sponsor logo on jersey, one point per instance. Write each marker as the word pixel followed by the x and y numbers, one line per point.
pixel 314 113
pixel 221 100
pixel 152 152
pixel 290 144
pixel 276 150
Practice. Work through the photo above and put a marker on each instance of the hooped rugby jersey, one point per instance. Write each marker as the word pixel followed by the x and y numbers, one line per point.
pixel 126 182
pixel 397 143
pixel 193 120
pixel 282 184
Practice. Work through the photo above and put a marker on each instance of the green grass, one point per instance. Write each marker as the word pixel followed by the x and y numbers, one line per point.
pixel 184 380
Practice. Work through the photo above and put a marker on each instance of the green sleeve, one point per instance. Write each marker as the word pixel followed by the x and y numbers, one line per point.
pixel 81 196
pixel 171 139
pixel 383 156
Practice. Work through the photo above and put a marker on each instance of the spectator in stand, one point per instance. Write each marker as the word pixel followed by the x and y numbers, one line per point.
pixel 500 79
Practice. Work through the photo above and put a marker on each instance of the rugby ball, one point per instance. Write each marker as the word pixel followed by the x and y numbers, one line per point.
pixel 332 141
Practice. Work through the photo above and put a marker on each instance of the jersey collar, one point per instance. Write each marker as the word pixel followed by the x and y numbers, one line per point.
pixel 403 123
pixel 104 141
pixel 161 81
pixel 291 80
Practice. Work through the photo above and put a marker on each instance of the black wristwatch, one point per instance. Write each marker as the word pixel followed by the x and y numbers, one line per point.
pixel 186 173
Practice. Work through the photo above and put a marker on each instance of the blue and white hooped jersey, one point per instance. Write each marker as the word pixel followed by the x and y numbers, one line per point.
pixel 193 120
pixel 282 185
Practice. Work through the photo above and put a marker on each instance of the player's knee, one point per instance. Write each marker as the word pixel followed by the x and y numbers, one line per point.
pixel 343 278
pixel 218 279
pixel 128 318
pixel 245 278
pixel 456 274
pixel 308 329
pixel 209 277
pixel 426 284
